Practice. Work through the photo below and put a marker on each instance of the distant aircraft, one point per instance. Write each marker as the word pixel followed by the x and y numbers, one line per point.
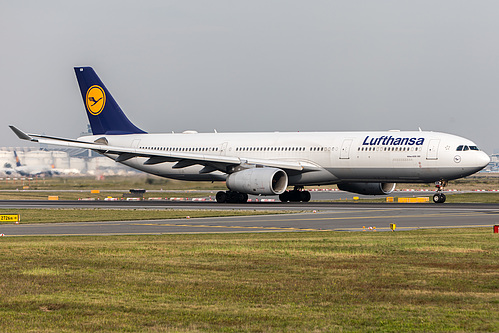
pixel 267 163
pixel 31 171
pixel 7 169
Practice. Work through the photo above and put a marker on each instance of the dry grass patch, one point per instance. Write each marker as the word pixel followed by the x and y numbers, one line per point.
pixel 41 271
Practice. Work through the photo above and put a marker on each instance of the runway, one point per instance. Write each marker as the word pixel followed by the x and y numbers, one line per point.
pixel 327 217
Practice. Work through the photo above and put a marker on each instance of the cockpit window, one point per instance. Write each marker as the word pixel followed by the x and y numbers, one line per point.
pixel 465 148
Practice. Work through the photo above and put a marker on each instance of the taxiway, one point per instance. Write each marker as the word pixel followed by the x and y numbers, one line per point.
pixel 313 216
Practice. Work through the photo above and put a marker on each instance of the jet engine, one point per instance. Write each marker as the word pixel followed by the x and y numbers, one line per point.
pixel 267 181
pixel 368 188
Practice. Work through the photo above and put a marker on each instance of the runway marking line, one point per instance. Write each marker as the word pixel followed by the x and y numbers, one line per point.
pixel 302 229
pixel 221 226
pixel 367 217
pixel 416 228
pixel 397 216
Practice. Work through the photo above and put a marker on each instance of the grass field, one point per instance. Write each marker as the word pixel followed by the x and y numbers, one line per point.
pixel 415 281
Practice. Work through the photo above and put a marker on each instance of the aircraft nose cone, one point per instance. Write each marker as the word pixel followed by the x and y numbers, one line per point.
pixel 483 160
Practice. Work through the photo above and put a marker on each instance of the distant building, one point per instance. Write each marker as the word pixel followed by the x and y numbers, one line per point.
pixel 494 164
pixel 45 161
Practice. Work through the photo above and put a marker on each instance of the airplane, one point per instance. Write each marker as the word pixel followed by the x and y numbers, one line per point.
pixel 7 169
pixel 267 163
pixel 30 171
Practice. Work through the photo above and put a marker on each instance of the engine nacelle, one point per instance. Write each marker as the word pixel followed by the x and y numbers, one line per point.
pixel 267 181
pixel 368 188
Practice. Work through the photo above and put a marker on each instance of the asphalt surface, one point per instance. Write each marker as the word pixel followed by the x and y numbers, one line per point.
pixel 314 216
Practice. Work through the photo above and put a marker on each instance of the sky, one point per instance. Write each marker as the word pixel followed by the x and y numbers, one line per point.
pixel 255 65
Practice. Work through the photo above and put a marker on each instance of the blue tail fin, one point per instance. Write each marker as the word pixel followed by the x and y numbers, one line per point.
pixel 104 114
pixel 18 161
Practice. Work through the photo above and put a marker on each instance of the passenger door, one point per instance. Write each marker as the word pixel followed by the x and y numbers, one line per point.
pixel 345 149
pixel 432 152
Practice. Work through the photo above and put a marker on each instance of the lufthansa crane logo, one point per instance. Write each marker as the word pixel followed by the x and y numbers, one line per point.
pixel 95 100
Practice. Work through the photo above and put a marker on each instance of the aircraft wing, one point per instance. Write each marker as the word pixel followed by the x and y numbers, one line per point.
pixel 182 159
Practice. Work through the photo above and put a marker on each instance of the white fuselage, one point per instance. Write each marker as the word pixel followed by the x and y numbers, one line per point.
pixel 392 156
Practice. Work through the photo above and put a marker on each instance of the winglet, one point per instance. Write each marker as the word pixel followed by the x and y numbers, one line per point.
pixel 21 135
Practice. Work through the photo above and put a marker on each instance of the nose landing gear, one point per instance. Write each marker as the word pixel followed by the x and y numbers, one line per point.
pixel 440 197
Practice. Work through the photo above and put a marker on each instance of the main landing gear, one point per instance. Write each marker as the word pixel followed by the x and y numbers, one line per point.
pixel 439 197
pixel 298 194
pixel 231 197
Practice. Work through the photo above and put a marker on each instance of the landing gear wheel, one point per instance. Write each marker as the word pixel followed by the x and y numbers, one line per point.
pixel 439 198
pixel 243 198
pixel 284 196
pixel 221 197
pixel 231 197
pixel 295 196
pixel 305 196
